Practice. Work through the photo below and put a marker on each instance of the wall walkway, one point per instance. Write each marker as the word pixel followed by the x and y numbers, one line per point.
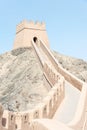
pixel 78 122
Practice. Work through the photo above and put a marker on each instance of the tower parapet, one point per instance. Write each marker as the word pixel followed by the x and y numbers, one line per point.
pixel 30 25
pixel 27 30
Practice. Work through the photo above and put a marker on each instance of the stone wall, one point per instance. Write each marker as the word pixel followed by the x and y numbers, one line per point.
pixel 68 76
pixel 80 119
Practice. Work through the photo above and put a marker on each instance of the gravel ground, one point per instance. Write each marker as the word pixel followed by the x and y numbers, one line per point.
pixel 21 80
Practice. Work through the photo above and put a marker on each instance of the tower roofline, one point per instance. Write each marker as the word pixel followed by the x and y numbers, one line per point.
pixel 30 25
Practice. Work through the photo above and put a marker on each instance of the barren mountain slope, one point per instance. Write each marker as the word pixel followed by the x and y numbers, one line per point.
pixel 21 80
pixel 22 84
pixel 78 67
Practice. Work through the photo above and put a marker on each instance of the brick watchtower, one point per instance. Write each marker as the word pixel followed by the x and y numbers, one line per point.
pixel 28 31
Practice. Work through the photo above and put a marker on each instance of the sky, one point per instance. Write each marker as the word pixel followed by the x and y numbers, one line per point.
pixel 66 23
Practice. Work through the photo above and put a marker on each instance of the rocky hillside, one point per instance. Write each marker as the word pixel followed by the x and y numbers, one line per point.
pixel 77 67
pixel 22 83
pixel 21 80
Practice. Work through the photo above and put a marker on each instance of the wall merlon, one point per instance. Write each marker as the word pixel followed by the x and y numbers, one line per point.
pixel 1 110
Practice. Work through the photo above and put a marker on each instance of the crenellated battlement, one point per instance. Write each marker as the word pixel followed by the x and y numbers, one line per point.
pixel 30 25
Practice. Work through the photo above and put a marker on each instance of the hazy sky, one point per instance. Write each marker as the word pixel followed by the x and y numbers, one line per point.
pixel 66 23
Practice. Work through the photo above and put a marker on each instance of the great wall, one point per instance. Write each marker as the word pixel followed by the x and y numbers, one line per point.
pixel 44 115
